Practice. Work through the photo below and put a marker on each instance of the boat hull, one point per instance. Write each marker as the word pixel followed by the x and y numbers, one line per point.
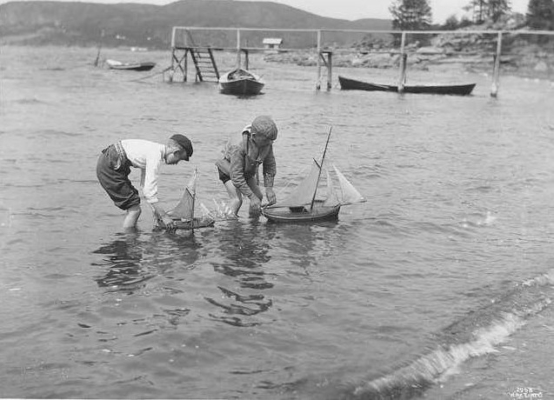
pixel 301 214
pixel 142 66
pixel 240 83
pixel 196 223
pixel 458 89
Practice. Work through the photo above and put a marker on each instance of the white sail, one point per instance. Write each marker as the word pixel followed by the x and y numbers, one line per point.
pixel 304 192
pixel 185 208
pixel 349 194
pixel 331 199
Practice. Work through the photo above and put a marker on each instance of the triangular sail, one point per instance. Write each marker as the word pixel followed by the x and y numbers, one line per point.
pixel 185 208
pixel 331 199
pixel 349 193
pixel 304 192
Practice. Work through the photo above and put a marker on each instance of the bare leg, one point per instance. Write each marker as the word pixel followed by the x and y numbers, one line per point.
pixel 235 196
pixel 132 217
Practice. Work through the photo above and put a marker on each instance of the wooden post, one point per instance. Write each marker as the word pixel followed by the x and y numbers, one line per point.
pixel 403 59
pixel 318 83
pixel 172 70
pixel 185 65
pixel 496 71
pixel 329 70
pixel 238 48
pixel 245 58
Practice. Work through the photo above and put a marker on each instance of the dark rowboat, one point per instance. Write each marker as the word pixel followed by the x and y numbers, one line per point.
pixel 458 89
pixel 240 82
pixel 139 66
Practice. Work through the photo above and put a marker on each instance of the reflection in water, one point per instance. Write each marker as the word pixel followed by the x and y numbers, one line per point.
pixel 135 258
pixel 245 248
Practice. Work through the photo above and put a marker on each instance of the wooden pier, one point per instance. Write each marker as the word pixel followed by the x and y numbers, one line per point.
pixel 206 68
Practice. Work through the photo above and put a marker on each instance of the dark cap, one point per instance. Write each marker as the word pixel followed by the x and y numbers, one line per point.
pixel 264 125
pixel 184 142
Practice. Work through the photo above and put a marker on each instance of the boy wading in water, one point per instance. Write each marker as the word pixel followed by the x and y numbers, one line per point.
pixel 238 170
pixel 114 166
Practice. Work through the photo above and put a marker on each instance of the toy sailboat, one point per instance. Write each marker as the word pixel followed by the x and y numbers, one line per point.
pixel 304 205
pixel 183 213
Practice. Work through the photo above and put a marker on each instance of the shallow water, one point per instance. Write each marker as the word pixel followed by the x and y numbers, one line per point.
pixel 438 285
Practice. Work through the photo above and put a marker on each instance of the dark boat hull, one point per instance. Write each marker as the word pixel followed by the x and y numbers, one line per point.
pixel 244 87
pixel 196 223
pixel 459 89
pixel 301 214
pixel 243 83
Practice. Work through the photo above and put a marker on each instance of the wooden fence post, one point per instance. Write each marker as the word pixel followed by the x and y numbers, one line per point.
pixel 496 71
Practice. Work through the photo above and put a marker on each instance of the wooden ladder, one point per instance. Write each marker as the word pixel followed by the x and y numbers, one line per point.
pixel 204 61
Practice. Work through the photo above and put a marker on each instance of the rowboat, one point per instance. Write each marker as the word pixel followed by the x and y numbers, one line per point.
pixel 240 82
pixel 183 213
pixel 305 204
pixel 455 89
pixel 138 66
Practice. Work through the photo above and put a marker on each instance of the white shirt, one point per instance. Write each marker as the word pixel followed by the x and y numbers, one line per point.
pixel 148 156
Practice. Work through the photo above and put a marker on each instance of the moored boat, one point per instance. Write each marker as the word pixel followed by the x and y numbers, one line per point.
pixel 452 89
pixel 138 66
pixel 240 82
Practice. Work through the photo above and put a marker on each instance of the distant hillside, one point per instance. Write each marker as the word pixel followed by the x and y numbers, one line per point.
pixel 142 25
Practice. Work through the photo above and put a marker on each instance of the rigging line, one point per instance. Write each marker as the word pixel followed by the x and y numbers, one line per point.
pixel 321 167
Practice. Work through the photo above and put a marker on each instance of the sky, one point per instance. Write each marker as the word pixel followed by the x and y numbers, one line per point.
pixel 352 9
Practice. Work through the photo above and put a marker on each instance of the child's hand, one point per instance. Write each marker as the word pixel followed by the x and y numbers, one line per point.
pixel 270 194
pixel 169 224
pixel 255 204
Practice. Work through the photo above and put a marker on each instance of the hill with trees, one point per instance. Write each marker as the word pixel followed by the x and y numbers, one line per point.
pixel 143 25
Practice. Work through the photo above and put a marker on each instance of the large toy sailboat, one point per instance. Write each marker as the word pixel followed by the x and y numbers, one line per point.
pixel 304 205
pixel 183 213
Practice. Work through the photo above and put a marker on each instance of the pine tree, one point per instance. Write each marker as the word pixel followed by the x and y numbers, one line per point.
pixel 492 10
pixel 411 15
pixel 540 14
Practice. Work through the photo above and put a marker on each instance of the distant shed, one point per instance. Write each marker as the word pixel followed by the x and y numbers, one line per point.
pixel 272 43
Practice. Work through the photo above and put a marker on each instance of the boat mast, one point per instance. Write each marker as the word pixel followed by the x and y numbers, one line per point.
pixel 320 168
pixel 193 200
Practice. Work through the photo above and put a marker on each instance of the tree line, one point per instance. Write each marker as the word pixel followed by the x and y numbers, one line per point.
pixel 415 15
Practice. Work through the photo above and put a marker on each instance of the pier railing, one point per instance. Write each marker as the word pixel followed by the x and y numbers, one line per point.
pixel 492 47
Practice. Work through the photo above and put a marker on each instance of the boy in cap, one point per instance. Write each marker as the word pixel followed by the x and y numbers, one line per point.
pixel 238 169
pixel 114 166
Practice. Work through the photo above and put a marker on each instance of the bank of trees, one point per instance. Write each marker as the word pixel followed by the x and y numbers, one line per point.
pixel 417 14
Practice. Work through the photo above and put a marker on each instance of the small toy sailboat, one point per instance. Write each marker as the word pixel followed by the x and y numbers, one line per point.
pixel 304 205
pixel 183 213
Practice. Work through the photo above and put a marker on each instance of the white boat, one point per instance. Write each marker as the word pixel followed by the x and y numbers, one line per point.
pixel 138 66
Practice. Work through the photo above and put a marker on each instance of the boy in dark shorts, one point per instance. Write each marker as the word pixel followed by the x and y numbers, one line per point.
pixel 114 166
pixel 238 169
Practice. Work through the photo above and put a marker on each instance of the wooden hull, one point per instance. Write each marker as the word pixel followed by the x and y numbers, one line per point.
pixel 142 66
pixel 301 214
pixel 196 223
pixel 458 89
pixel 246 84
